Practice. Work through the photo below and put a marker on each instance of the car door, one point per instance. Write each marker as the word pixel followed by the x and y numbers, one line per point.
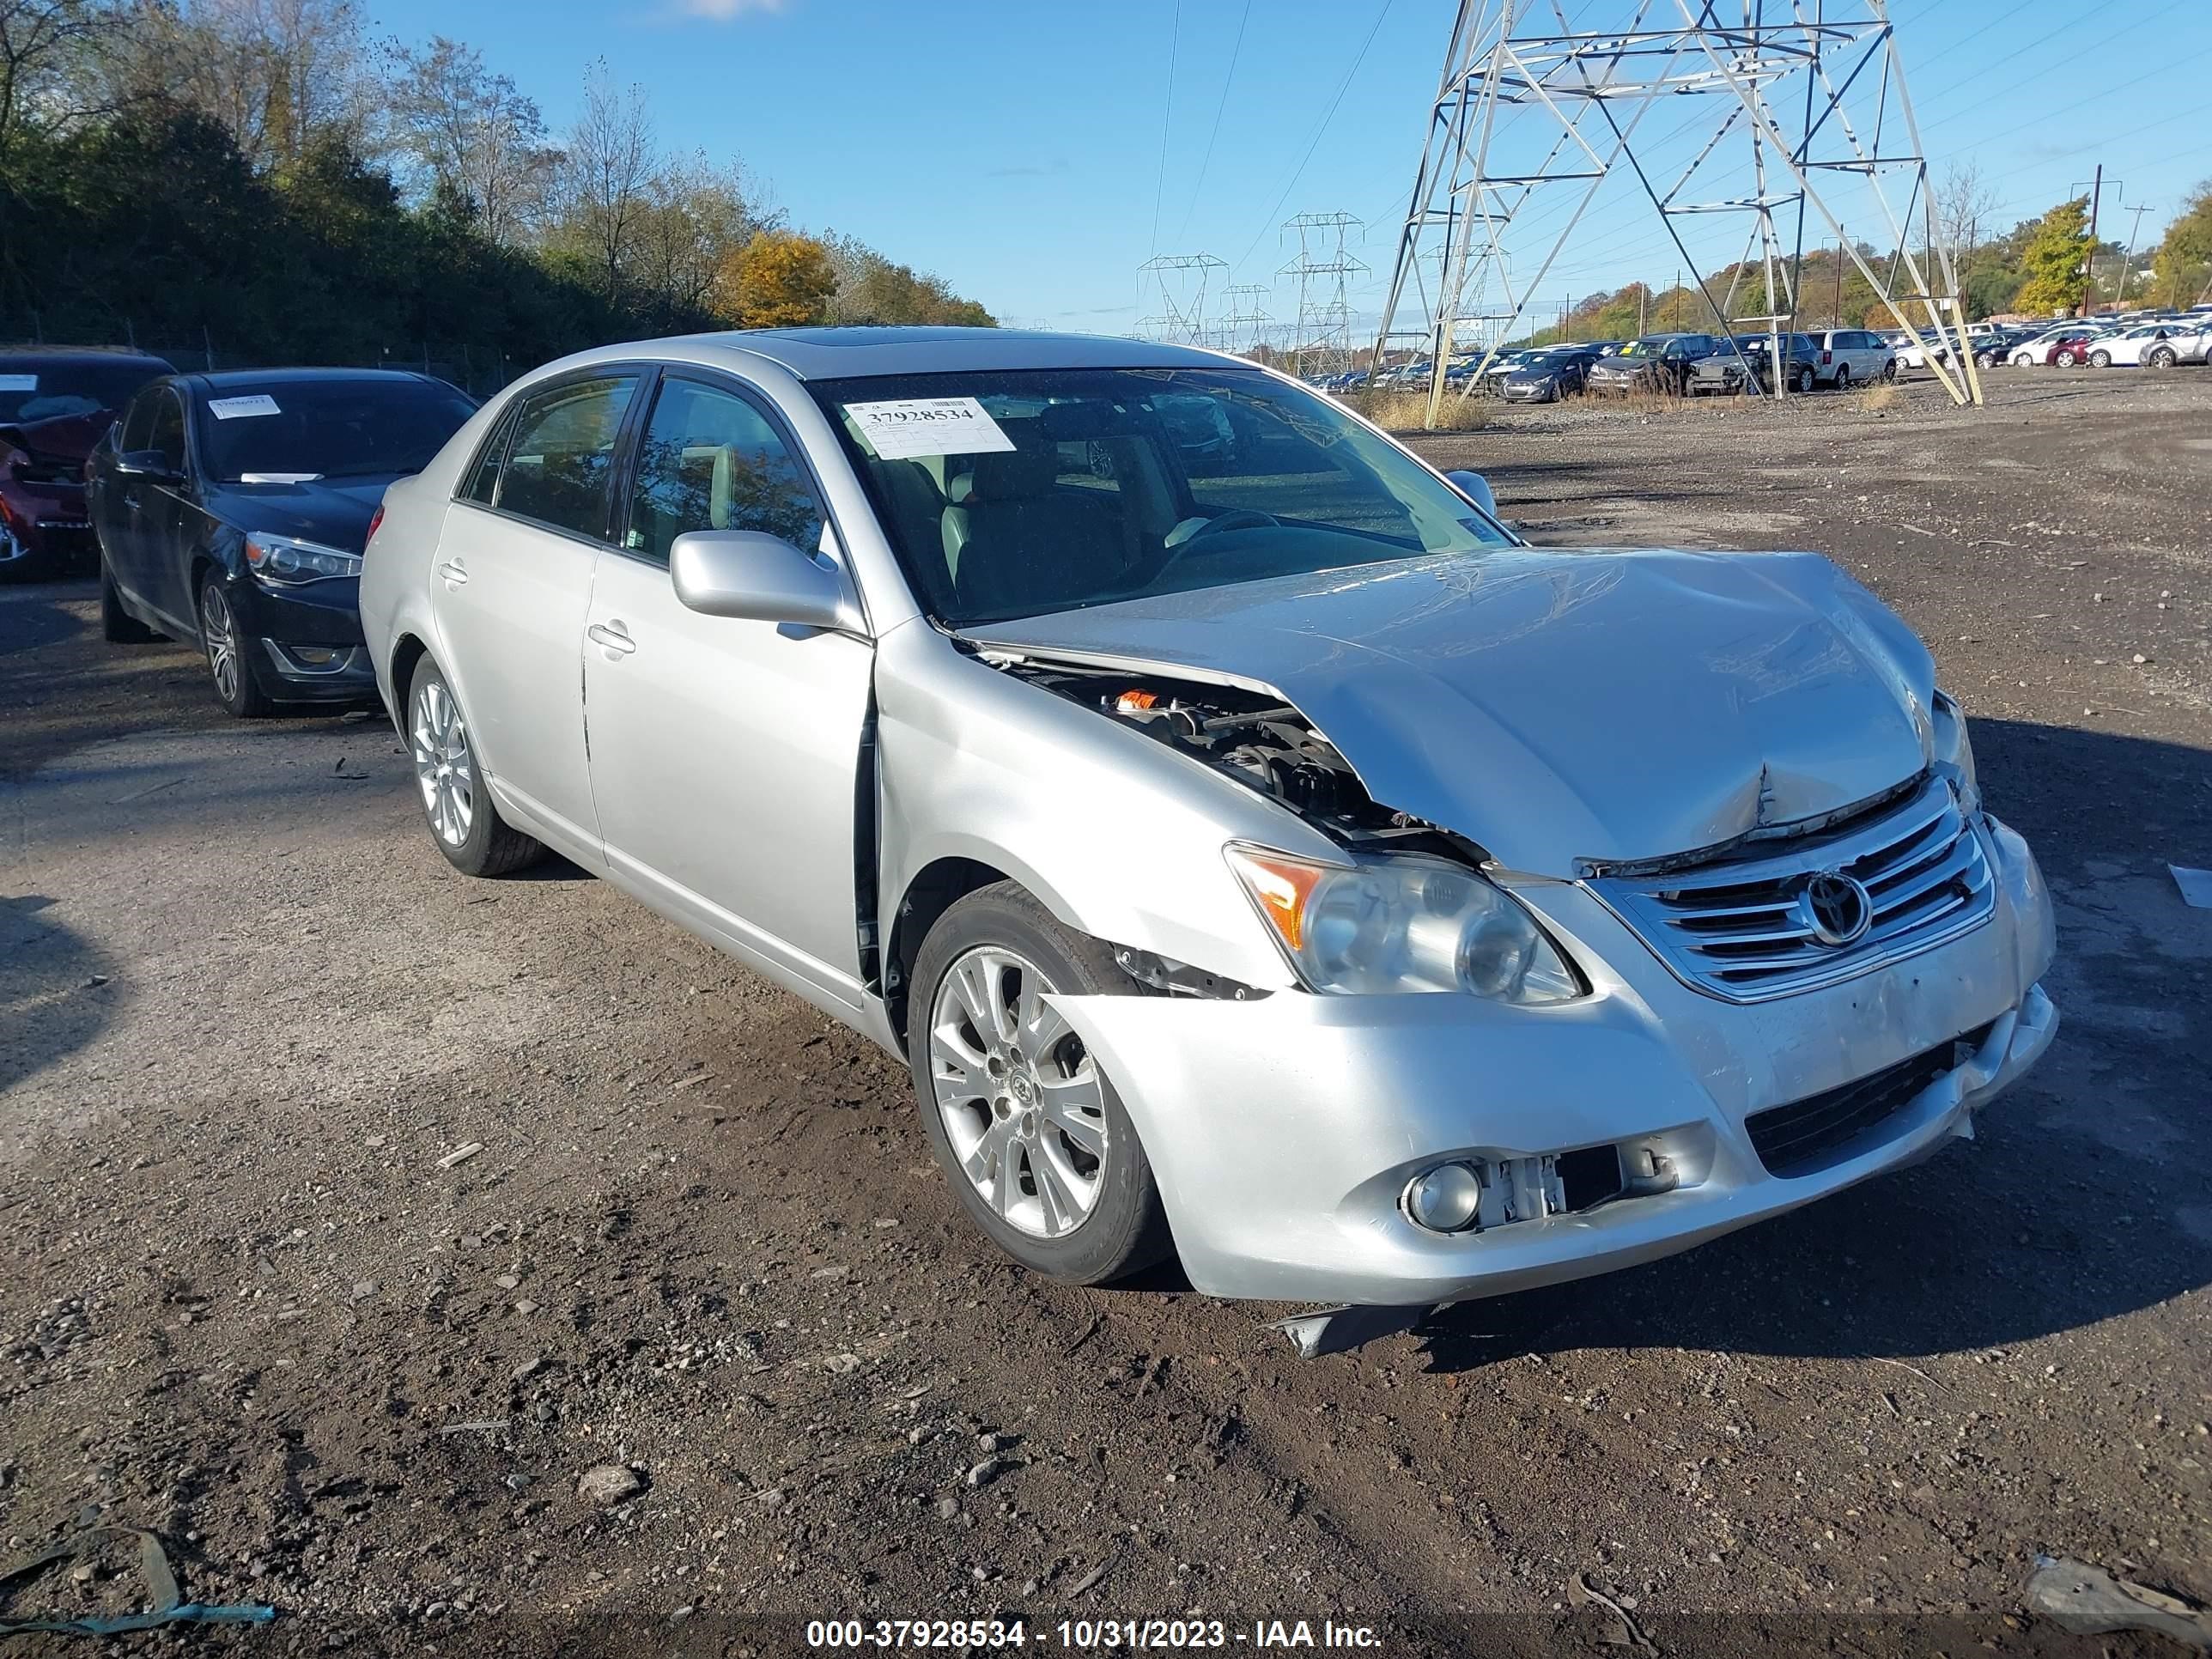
pixel 725 753
pixel 511 584
pixel 115 499
pixel 167 515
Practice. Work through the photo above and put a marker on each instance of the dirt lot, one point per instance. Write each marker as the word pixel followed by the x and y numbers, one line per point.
pixel 246 1012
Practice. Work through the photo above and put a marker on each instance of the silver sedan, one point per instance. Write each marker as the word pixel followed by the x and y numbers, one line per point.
pixel 1255 849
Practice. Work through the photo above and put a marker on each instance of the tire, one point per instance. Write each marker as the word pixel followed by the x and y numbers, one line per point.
pixel 2063 360
pixel 1843 377
pixel 1889 370
pixel 457 809
pixel 995 1093
pixel 224 644
pixel 2160 357
pixel 2100 359
pixel 2025 360
pixel 1805 380
pixel 117 625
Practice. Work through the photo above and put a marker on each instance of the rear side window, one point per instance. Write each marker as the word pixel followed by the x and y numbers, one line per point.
pixel 481 485
pixel 711 461
pixel 562 454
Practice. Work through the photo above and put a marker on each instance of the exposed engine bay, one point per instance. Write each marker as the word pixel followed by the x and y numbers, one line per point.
pixel 1261 741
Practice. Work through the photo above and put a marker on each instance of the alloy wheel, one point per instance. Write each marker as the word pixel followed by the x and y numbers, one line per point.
pixel 219 631
pixel 1020 1098
pixel 444 770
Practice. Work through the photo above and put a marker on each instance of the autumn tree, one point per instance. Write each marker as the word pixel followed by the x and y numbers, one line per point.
pixel 609 166
pixel 2055 262
pixel 696 217
pixel 872 289
pixel 779 279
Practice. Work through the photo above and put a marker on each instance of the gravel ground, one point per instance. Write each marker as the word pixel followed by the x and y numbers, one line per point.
pixel 257 1299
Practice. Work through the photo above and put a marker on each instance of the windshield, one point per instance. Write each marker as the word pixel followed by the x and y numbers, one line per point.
pixel 1015 493
pixel 40 389
pixel 296 429
pixel 1644 348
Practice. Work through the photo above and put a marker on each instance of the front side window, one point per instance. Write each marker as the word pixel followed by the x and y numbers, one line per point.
pixel 167 436
pixel 562 453
pixel 138 431
pixel 711 461
pixel 1012 493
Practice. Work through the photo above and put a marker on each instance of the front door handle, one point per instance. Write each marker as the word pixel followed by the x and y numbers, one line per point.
pixel 454 573
pixel 612 637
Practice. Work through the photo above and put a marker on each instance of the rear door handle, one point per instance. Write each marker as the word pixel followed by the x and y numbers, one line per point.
pixel 611 636
pixel 454 573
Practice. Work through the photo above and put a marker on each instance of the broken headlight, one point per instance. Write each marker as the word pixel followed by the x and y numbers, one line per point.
pixel 1954 751
pixel 1404 923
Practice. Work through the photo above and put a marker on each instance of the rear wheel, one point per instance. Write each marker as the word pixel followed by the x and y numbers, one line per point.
pixel 1843 377
pixel 1889 369
pixel 2160 357
pixel 224 640
pixel 2064 360
pixel 117 625
pixel 1805 379
pixel 463 819
pixel 2100 359
pixel 1041 1151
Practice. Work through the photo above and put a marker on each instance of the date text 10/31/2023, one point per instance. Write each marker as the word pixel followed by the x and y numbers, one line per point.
pixel 1089 1634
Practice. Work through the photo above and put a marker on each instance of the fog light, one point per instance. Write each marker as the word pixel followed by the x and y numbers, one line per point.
pixel 315 656
pixel 1446 1199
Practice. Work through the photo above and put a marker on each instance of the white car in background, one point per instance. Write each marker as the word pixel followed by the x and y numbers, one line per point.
pixel 2125 350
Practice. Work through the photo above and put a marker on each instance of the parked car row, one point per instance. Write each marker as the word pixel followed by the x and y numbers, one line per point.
pixel 56 404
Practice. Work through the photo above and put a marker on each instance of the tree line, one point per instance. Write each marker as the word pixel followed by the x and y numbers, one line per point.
pixel 2049 265
pixel 267 177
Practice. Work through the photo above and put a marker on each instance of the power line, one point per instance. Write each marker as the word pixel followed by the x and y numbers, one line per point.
pixel 1343 87
pixel 1167 118
pixel 1227 81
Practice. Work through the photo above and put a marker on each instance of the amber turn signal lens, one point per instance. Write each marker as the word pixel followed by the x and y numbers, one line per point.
pixel 1281 887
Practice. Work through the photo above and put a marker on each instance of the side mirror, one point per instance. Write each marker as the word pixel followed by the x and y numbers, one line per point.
pixel 150 465
pixel 1475 488
pixel 757 577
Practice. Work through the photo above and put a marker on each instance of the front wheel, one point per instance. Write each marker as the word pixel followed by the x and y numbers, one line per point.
pixel 223 639
pixel 1805 380
pixel 2100 359
pixel 1889 370
pixel 2160 357
pixel 1843 377
pixel 1041 1151
pixel 463 819
pixel 2064 360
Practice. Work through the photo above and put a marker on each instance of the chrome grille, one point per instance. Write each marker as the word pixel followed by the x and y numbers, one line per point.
pixel 1743 929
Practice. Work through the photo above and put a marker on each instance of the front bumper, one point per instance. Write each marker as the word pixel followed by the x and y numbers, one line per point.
pixel 308 644
pixel 1283 1130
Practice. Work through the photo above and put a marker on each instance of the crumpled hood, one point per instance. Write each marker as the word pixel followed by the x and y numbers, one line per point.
pixel 1593 706
pixel 334 512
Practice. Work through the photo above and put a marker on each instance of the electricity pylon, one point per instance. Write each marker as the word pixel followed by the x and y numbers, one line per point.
pixel 1798 108
pixel 1321 341
pixel 1175 285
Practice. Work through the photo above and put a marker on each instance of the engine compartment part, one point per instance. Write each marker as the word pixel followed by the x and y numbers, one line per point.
pixel 1172 978
pixel 1259 740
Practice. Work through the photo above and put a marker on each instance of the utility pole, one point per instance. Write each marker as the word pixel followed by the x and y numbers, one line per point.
pixel 1643 303
pixel 1675 300
pixel 1836 305
pixel 2096 193
pixel 2127 262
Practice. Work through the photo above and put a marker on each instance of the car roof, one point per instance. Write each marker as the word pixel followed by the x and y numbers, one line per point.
pixel 46 354
pixel 826 354
pixel 231 379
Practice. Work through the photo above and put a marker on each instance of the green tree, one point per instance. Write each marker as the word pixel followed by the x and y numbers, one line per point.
pixel 2056 260
pixel 2182 268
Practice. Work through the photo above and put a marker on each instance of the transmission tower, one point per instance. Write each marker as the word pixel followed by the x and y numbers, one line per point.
pixel 1244 330
pixel 1322 342
pixel 1174 286
pixel 1799 109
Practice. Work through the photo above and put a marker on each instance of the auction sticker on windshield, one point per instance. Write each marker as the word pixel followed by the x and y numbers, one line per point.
pixel 238 409
pixel 19 383
pixel 906 427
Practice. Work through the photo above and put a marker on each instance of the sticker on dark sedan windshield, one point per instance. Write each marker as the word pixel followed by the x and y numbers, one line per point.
pixel 236 408
pixel 19 383
pixel 906 427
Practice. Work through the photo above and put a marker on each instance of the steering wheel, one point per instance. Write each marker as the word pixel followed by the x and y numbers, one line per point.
pixel 1236 517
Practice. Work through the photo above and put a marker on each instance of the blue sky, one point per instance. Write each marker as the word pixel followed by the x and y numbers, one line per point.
pixel 1016 148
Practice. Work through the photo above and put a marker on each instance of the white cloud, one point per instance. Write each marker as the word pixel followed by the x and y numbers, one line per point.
pixel 722 11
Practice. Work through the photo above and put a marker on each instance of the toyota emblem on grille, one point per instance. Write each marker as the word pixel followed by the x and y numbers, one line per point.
pixel 1838 909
